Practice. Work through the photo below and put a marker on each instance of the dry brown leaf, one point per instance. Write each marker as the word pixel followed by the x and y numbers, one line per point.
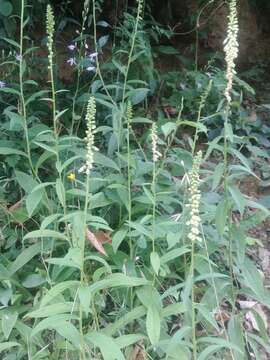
pixel 138 353
pixel 15 206
pixel 103 237
pixel 95 242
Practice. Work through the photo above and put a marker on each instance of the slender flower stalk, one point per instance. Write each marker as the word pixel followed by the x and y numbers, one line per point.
pixel 86 168
pixel 194 234
pixel 231 47
pixel 129 115
pixel 50 24
pixel 155 156
pixel 90 136
pixel 133 39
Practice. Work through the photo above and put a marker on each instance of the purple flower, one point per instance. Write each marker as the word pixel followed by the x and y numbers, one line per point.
pixel 93 56
pixel 71 61
pixel 91 68
pixel 71 47
pixel 18 57
pixel 2 84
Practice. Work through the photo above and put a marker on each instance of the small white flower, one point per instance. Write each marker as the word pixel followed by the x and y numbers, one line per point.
pixel 91 68
pixel 2 84
pixel 71 47
pixel 18 57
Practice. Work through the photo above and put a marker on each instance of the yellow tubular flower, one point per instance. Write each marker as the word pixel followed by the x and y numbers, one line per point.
pixel 71 177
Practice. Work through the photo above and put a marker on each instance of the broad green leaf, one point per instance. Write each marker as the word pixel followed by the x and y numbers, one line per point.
pixel 26 255
pixel 155 261
pixel 153 324
pixel 168 128
pixel 126 319
pixel 116 280
pixel 173 309
pixel 118 238
pixel 6 8
pixel 7 345
pixel 60 191
pixel 45 324
pixel 56 290
pixel 43 233
pixel 221 216
pixel 137 95
pixel 67 330
pixel 238 198
pixel 85 298
pixel 108 347
pixel 26 181
pixel 51 310
pixel 127 340
pixel 173 254
pixel 235 333
pixel 32 200
pixel 8 322
pixel 10 151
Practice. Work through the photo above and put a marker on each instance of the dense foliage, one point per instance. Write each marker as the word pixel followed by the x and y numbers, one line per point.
pixel 124 232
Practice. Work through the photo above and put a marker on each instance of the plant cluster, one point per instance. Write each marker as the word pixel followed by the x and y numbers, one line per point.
pixel 118 200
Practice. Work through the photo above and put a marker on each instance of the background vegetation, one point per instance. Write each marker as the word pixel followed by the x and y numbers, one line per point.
pixel 134 176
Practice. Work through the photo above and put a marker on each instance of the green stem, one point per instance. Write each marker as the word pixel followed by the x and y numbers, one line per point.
pixel 23 106
pixel 82 279
pixel 193 314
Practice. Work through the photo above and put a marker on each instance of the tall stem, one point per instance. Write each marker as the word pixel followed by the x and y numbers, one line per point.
pixel 22 100
pixel 193 314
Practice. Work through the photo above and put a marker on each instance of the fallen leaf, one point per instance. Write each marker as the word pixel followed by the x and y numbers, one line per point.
pixel 95 242
pixel 138 353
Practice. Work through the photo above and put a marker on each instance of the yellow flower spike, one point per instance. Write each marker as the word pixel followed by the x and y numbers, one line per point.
pixel 71 177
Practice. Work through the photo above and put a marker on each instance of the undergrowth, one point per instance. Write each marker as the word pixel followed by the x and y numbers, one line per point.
pixel 118 231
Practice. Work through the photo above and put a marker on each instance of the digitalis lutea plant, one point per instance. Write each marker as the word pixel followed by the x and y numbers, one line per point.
pixel 50 25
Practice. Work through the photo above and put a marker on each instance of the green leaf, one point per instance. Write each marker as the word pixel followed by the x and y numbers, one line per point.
pixel 7 345
pixel 32 200
pixel 67 330
pixel 108 347
pixel 116 280
pixel 26 181
pixel 51 310
pixel 221 216
pixel 153 324
pixel 10 151
pixel 56 290
pixel 155 261
pixel 25 256
pixel 137 95
pixel 127 340
pixel 126 319
pixel 42 233
pixel 168 128
pixel 60 191
pixel 8 322
pixel 236 336
pixel 46 323
pixel 85 298
pixel 118 238
pixel 6 8
pixel 173 254
pixel 238 198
